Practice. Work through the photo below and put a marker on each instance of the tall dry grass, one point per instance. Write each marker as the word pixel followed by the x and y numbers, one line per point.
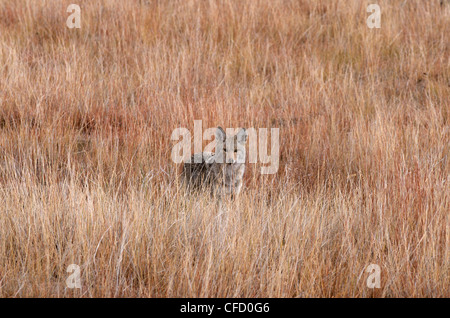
pixel 86 175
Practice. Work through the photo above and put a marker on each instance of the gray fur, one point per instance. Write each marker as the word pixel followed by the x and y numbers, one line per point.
pixel 221 172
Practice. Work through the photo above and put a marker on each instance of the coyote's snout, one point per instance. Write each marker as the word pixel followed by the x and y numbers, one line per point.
pixel 221 171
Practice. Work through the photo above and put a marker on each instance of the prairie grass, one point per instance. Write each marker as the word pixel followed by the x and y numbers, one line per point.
pixel 86 175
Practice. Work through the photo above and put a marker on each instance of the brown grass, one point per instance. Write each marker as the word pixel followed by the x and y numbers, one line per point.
pixel 86 175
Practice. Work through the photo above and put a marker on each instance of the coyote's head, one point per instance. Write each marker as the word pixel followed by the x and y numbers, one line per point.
pixel 230 149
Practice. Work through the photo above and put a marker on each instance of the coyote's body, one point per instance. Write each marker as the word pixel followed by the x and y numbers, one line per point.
pixel 222 171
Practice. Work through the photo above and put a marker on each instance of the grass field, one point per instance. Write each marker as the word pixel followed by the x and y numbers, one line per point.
pixel 86 175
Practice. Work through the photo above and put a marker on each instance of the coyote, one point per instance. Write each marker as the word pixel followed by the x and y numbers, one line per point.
pixel 222 171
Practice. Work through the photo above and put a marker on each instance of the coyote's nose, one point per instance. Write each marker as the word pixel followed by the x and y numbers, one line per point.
pixel 230 161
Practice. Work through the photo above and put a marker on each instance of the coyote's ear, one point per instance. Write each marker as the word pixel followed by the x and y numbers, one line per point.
pixel 242 136
pixel 220 134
